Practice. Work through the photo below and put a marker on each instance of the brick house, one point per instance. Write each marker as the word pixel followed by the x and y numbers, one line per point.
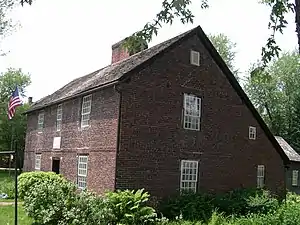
pixel 292 172
pixel 168 118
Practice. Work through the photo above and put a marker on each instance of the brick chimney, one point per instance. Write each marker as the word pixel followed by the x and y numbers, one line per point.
pixel 119 52
pixel 29 100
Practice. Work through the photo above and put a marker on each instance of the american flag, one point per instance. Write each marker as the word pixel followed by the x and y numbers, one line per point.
pixel 13 103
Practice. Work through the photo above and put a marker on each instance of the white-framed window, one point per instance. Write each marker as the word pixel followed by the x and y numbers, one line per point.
pixel 86 110
pixel 82 171
pixel 189 175
pixel 192 112
pixel 295 175
pixel 37 163
pixel 252 133
pixel 41 120
pixel 195 58
pixel 58 117
pixel 260 176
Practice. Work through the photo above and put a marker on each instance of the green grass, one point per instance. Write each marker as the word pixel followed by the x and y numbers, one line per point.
pixel 7 216
pixel 7 184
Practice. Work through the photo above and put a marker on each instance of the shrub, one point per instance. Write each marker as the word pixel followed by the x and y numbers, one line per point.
pixel 28 180
pixel 47 202
pixel 129 207
pixel 199 206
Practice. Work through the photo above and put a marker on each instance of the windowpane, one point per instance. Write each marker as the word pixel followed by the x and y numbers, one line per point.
pixel 252 133
pixel 189 173
pixel 59 117
pixel 82 171
pixel 260 176
pixel 295 178
pixel 37 161
pixel 86 110
pixel 192 112
pixel 41 121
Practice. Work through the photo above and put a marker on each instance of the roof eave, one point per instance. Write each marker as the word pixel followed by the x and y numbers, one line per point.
pixel 114 82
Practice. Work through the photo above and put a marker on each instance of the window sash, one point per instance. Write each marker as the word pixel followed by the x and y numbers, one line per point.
pixel 86 110
pixel 59 117
pixel 189 175
pixel 37 165
pixel 82 171
pixel 192 112
pixel 260 176
pixel 252 133
pixel 295 175
pixel 41 120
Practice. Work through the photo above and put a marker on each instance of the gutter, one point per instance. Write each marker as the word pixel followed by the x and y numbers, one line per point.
pixel 114 82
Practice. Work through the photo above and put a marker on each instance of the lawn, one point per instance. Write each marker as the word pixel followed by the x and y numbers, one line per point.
pixel 7 216
pixel 7 183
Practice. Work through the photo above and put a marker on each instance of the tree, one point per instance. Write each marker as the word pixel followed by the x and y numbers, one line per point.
pixel 275 93
pixel 15 128
pixel 6 25
pixel 226 48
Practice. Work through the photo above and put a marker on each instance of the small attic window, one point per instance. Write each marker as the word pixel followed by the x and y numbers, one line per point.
pixel 195 58
pixel 252 133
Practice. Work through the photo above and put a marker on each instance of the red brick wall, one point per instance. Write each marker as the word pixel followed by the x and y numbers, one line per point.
pixel 99 140
pixel 153 142
pixel 119 53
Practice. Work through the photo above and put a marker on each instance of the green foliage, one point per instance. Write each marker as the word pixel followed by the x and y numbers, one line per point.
pixel 226 48
pixel 275 93
pixel 49 199
pixel 200 206
pixel 28 180
pixel 7 184
pixel 129 207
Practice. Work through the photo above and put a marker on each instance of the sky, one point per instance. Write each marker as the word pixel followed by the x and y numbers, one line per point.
pixel 60 40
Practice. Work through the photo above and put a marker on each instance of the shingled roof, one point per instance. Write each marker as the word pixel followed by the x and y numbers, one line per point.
pixel 114 72
pixel 105 75
pixel 289 151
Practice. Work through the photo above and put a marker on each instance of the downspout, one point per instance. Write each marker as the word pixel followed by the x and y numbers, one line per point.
pixel 118 133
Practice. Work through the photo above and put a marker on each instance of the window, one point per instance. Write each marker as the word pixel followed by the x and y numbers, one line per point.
pixel 195 58
pixel 260 176
pixel 41 121
pixel 86 110
pixel 82 171
pixel 38 162
pixel 189 175
pixel 192 112
pixel 295 178
pixel 58 117
pixel 252 133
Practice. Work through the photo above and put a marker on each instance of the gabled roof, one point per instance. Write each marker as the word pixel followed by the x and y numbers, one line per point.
pixel 116 71
pixel 289 151
pixel 105 75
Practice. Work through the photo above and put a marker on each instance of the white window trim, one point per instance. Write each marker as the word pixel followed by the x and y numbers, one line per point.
pixel 185 114
pixel 38 161
pixel 193 56
pixel 59 117
pixel 295 177
pixel 252 133
pixel 79 175
pixel 260 176
pixel 86 113
pixel 41 121
pixel 182 188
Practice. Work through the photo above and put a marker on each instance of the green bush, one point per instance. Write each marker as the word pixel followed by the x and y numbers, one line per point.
pixel 46 202
pixel 28 180
pixel 199 206
pixel 129 207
